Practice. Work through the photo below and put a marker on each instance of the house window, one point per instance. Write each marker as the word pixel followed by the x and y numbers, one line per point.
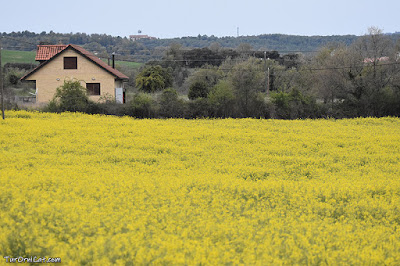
pixel 93 88
pixel 70 62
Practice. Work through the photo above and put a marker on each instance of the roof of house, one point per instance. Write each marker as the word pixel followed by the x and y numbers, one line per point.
pixel 82 52
pixel 45 52
pixel 379 59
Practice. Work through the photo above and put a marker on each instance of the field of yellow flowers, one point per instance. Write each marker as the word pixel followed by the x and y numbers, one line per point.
pixel 102 190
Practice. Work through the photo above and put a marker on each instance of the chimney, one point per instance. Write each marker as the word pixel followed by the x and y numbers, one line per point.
pixel 113 60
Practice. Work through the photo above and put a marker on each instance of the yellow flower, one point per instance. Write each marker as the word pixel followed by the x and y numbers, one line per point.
pixel 103 190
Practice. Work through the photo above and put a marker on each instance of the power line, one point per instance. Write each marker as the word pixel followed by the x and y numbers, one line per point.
pixel 260 68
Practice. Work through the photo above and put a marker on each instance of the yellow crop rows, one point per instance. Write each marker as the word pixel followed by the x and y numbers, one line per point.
pixel 104 190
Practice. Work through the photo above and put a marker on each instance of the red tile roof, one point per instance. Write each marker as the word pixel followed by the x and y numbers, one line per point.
pixel 45 52
pixel 98 61
pixel 79 50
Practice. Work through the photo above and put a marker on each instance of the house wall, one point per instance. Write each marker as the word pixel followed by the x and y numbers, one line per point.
pixel 52 75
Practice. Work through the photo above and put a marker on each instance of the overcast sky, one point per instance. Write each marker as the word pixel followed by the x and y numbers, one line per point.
pixel 178 18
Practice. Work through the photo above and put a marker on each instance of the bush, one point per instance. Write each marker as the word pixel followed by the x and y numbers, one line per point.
pixel 171 105
pixel 143 106
pixel 295 105
pixel 259 107
pixel 12 76
pixel 13 79
pixel 69 97
pixel 199 108
pixel 52 107
pixel 222 100
pixel 97 108
pixel 198 89
pixel 23 66
pixel 281 104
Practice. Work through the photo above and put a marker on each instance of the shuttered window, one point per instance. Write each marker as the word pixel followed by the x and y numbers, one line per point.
pixel 70 63
pixel 93 88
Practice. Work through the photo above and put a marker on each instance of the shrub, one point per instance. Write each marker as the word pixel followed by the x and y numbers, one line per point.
pixel 170 104
pixel 70 97
pixel 198 89
pixel 199 108
pixel 222 100
pixel 295 105
pixel 142 106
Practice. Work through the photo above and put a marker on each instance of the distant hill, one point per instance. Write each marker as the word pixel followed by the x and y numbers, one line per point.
pixel 147 49
pixel 267 42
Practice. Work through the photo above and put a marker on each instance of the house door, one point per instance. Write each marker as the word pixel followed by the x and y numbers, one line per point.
pixel 119 95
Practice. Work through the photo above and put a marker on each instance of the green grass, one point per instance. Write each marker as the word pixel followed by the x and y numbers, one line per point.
pixel 9 56
pixel 128 64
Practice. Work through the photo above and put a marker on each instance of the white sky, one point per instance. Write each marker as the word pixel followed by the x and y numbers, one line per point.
pixel 178 18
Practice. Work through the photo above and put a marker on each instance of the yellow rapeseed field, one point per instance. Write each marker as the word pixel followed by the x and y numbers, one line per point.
pixel 100 190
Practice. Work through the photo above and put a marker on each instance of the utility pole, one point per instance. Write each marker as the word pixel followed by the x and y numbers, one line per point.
pixel 1 82
pixel 267 72
pixel 268 82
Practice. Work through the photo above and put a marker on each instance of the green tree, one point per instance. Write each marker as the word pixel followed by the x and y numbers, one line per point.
pixel 294 105
pixel 202 80
pixel 222 99
pixel 143 105
pixel 244 48
pixel 198 89
pixel 173 59
pixel 198 108
pixel 247 79
pixel 170 104
pixel 71 96
pixel 153 78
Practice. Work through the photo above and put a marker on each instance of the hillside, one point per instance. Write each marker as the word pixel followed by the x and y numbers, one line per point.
pixel 145 50
pixel 25 57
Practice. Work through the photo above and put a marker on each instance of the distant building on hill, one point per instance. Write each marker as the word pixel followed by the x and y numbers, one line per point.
pixel 140 37
pixel 374 60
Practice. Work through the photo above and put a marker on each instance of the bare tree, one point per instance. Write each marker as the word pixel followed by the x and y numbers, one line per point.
pixel 362 77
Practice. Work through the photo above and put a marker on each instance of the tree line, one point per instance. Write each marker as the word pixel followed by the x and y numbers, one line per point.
pixel 340 81
pixel 144 50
